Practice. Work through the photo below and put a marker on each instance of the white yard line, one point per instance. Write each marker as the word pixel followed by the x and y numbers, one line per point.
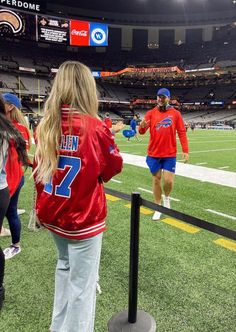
pixel 198 164
pixel 146 190
pixel 117 181
pixel 198 142
pixel 203 137
pixel 150 192
pixel 211 175
pixel 221 214
pixel 223 167
pixel 173 199
pixel 210 151
pixel 134 144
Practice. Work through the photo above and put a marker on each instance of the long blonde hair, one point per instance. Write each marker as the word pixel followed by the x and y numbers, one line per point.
pixel 74 85
pixel 17 115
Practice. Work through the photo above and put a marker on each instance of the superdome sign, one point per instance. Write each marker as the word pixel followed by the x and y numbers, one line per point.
pixel 23 5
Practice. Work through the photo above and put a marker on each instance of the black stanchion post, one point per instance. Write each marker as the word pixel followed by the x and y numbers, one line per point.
pixel 133 264
pixel 133 320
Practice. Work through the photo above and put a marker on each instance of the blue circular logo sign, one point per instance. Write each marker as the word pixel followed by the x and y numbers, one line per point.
pixel 98 36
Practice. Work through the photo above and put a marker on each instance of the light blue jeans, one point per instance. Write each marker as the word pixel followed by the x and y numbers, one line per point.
pixel 75 284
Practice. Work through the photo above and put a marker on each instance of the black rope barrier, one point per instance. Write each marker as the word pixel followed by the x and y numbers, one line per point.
pixel 134 320
pixel 228 233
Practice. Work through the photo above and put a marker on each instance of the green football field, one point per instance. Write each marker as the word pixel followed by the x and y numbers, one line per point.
pixel 186 274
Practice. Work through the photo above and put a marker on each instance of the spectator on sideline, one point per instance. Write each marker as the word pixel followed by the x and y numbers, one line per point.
pixel 192 126
pixel 75 153
pixel 10 142
pixel 163 122
pixel 108 121
pixel 133 126
pixel 13 105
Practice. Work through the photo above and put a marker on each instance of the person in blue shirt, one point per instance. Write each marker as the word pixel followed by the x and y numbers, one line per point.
pixel 133 126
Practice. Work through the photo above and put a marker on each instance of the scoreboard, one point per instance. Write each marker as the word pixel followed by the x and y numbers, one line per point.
pixel 17 24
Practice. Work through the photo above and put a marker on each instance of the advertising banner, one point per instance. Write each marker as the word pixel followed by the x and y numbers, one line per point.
pixel 98 34
pixel 43 28
pixel 79 33
pixel 84 33
pixel 52 30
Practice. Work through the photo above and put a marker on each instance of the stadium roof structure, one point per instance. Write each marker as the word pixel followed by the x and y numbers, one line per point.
pixel 149 11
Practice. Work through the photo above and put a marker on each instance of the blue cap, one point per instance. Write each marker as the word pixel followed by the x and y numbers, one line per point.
pixel 163 92
pixel 12 99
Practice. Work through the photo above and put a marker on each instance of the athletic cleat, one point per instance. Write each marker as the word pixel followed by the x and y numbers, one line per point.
pixel 166 202
pixel 11 251
pixel 156 216
pixel 20 211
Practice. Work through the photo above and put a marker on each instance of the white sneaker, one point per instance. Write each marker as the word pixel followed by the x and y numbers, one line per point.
pixel 20 211
pixel 11 251
pixel 166 202
pixel 156 216
pixel 5 232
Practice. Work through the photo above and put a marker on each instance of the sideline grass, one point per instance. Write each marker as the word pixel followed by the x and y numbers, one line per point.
pixel 186 281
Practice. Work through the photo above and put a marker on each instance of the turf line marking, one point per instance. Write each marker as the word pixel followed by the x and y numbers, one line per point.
pixel 112 198
pixel 221 214
pixel 198 142
pixel 198 164
pixel 126 145
pixel 143 210
pixel 117 181
pixel 212 175
pixel 226 244
pixel 147 191
pixel 173 199
pixel 223 167
pixel 150 192
pixel 181 225
pixel 202 151
pixel 31 155
pixel 181 160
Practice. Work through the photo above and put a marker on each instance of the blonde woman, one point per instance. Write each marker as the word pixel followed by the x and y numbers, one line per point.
pixel 15 179
pixel 75 154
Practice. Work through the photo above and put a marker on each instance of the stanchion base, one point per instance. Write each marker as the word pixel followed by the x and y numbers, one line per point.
pixel 144 323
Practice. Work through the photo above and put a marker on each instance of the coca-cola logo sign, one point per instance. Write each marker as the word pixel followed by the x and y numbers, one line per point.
pixel 81 33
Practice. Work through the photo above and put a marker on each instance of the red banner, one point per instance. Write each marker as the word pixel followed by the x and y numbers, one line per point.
pixel 142 70
pixel 154 101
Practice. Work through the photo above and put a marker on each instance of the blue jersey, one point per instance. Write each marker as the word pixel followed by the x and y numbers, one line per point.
pixel 133 124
